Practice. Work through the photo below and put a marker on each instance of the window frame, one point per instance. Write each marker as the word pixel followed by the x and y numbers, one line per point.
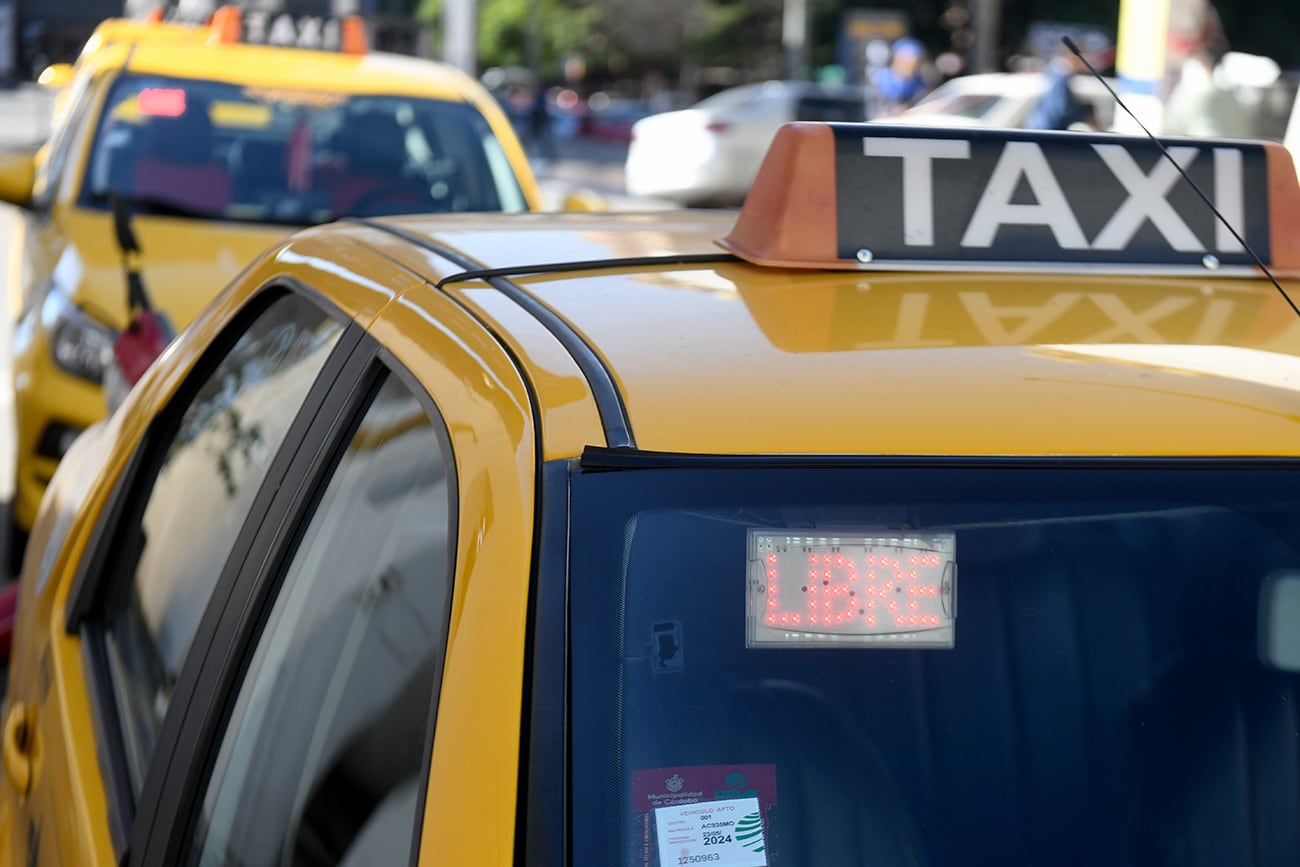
pixel 98 575
pixel 84 94
pixel 232 626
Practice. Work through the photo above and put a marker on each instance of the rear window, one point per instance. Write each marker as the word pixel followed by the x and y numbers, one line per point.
pixel 218 151
pixel 1100 667
pixel 830 109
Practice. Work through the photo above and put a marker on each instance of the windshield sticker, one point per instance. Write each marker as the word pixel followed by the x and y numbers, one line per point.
pixel 738 798
pixel 666 647
pixel 314 98
pixel 721 833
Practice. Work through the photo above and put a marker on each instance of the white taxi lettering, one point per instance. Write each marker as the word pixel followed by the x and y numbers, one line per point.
pixel 1229 198
pixel 1146 200
pixel 918 189
pixel 283 31
pixel 1025 160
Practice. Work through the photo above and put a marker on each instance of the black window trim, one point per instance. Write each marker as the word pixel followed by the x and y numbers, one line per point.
pixel 192 734
pixel 543 818
pixel 96 573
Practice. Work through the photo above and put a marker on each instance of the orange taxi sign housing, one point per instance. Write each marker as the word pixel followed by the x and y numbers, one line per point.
pixel 870 196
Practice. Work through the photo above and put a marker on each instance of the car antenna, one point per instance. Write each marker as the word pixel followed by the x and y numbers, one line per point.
pixel 1259 263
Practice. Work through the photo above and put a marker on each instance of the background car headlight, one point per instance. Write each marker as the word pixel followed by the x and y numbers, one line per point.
pixel 79 344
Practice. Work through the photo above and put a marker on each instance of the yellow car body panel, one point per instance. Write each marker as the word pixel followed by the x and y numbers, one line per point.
pixel 925 348
pixel 67 801
pixel 479 390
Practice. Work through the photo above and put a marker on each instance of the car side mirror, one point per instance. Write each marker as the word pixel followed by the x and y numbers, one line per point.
pixel 55 76
pixel 17 175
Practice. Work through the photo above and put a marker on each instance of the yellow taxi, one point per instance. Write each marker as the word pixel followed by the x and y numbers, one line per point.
pixel 938 509
pixel 205 154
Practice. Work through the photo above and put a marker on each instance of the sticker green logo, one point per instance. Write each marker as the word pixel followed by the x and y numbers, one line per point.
pixel 749 832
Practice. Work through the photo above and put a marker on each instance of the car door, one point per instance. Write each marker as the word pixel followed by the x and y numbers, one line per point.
pixel 305 734
pixel 97 659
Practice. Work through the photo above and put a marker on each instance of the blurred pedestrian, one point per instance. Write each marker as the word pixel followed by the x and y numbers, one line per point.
pixel 540 138
pixel 1201 104
pixel 1059 107
pixel 903 82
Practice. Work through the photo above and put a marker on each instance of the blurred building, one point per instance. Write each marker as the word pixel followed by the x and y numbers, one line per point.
pixel 44 32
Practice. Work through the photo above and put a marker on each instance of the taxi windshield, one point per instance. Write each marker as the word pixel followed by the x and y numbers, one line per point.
pixel 1119 685
pixel 219 151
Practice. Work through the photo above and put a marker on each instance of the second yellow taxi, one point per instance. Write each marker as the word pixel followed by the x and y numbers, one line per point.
pixel 203 153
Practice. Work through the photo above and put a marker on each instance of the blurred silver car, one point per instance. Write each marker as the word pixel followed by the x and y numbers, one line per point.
pixel 1000 99
pixel 709 153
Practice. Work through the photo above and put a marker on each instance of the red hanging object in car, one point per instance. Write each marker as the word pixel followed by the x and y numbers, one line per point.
pixel 141 342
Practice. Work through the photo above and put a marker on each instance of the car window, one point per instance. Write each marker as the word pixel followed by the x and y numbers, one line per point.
pixel 322 757
pixel 219 151
pixel 47 178
pixel 205 474
pixel 956 666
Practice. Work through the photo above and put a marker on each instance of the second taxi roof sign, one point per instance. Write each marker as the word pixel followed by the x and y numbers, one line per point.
pixel 889 197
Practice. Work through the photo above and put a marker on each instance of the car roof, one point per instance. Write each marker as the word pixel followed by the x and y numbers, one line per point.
pixel 713 354
pixel 290 68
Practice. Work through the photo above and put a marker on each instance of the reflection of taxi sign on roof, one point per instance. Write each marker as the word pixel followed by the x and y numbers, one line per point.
pixel 879 197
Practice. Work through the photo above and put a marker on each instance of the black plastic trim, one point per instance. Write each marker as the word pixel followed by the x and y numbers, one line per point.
pixel 590 265
pixel 96 575
pixel 119 798
pixel 214 687
pixel 93 571
pixel 609 400
pixel 203 695
pixel 595 459
pixel 543 824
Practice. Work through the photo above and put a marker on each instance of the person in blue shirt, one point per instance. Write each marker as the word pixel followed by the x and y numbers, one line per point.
pixel 903 82
pixel 1058 107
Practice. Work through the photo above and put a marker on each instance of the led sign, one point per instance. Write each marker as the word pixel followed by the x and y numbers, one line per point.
pixel 879 589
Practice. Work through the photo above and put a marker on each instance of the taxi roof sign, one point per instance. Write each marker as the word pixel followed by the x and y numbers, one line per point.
pixel 284 29
pixel 879 197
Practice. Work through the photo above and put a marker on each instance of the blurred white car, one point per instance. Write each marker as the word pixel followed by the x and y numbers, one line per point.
pixel 710 152
pixel 1000 99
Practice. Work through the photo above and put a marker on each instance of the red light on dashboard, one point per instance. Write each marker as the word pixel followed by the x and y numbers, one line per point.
pixel 161 102
pixel 871 620
pixel 771 618
pixel 898 620
pixel 771 573
pixel 893 606
pixel 771 558
pixel 912 605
